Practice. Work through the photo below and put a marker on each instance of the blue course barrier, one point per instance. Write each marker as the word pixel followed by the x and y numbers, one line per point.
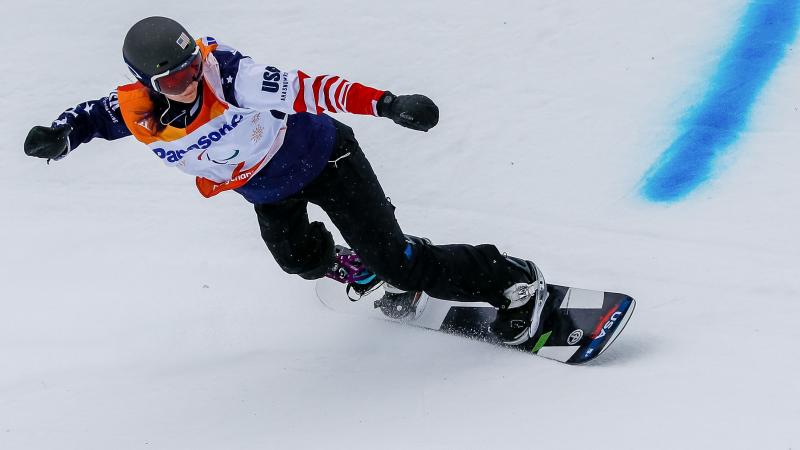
pixel 709 129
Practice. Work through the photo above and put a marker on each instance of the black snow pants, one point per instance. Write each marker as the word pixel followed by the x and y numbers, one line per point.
pixel 349 192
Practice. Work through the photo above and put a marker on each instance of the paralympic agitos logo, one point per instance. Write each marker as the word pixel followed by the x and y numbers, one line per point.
pixel 203 143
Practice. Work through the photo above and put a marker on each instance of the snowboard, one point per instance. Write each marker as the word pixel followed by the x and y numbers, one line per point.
pixel 580 326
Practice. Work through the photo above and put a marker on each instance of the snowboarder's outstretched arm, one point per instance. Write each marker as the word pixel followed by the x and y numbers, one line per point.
pixel 260 86
pixel 95 118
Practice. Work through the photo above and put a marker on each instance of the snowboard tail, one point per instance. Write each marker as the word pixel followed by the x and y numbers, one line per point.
pixel 578 326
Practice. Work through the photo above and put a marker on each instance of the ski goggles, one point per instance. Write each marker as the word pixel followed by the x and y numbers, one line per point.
pixel 176 80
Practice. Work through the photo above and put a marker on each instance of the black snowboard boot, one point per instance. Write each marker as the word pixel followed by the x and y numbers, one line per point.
pixel 519 319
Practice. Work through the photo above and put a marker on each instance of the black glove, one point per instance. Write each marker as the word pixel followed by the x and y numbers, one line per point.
pixel 47 142
pixel 411 111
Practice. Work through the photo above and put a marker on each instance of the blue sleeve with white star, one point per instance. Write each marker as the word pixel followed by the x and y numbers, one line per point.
pixel 228 59
pixel 95 118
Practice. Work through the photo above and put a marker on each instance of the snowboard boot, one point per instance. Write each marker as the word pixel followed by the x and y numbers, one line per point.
pixel 519 319
pixel 349 269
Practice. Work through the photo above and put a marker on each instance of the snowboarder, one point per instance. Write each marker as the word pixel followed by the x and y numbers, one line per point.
pixel 262 132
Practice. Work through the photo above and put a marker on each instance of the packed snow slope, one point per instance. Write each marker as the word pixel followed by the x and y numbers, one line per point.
pixel 134 314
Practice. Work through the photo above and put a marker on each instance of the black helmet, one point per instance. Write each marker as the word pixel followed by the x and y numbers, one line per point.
pixel 157 46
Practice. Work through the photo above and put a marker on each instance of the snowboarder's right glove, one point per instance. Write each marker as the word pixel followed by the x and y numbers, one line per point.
pixel 48 142
pixel 411 111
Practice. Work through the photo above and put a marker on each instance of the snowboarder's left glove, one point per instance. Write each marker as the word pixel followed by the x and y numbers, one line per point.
pixel 411 111
pixel 48 142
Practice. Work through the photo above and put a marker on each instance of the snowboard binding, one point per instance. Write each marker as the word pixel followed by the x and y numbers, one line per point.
pixel 395 303
pixel 400 305
pixel 348 269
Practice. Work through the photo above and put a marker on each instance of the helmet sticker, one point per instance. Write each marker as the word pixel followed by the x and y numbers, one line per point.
pixel 183 41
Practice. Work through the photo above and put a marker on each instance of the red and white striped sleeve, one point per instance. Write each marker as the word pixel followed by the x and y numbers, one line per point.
pixel 266 87
pixel 335 94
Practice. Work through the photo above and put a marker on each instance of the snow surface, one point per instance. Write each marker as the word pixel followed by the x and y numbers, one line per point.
pixel 135 314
